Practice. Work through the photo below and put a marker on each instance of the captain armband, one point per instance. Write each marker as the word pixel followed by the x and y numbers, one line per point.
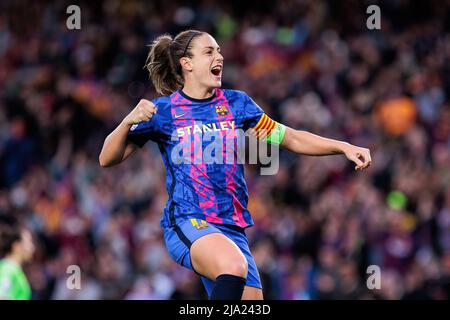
pixel 269 130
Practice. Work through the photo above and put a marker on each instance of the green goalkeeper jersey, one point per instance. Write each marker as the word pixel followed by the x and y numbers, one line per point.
pixel 13 282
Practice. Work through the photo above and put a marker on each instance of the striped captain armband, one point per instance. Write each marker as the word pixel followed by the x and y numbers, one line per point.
pixel 269 130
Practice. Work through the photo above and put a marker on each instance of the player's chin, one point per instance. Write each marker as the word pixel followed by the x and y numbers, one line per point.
pixel 216 82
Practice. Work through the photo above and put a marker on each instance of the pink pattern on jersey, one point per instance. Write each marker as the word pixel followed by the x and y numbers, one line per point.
pixel 198 171
pixel 230 169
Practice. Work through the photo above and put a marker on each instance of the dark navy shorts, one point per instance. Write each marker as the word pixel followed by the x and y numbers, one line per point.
pixel 180 238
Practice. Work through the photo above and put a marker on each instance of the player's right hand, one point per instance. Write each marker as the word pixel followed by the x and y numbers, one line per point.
pixel 144 111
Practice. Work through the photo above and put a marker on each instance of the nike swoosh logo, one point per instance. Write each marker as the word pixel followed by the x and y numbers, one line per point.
pixel 179 115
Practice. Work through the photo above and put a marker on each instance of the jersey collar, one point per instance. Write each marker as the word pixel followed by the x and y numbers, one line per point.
pixel 197 100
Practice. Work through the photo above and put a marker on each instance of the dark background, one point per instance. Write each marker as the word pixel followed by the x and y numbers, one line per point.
pixel 312 65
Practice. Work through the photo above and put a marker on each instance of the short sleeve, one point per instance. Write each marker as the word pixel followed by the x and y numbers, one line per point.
pixel 252 112
pixel 140 133
pixel 260 124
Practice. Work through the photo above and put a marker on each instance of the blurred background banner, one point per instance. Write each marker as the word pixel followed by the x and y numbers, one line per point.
pixel 312 65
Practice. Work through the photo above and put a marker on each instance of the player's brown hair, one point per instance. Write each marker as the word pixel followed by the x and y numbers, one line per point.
pixel 163 60
pixel 10 233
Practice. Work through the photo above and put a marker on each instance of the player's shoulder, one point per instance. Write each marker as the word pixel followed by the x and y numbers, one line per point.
pixel 8 268
pixel 162 102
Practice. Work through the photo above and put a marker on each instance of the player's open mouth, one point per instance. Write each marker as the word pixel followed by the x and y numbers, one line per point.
pixel 217 71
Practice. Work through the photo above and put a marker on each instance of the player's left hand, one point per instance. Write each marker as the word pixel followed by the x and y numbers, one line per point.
pixel 360 156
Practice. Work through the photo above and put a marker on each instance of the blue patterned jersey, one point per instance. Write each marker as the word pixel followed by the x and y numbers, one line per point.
pixel 215 192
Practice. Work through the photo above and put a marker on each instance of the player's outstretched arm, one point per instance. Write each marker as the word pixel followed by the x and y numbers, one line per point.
pixel 304 142
pixel 116 147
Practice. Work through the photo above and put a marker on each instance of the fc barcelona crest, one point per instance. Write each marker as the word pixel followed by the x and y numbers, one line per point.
pixel 221 110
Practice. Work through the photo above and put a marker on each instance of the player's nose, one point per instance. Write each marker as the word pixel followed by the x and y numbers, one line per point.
pixel 219 57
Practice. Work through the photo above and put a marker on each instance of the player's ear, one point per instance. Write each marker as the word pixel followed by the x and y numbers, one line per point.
pixel 186 63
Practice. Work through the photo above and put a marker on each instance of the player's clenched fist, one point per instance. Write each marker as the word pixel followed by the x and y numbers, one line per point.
pixel 144 111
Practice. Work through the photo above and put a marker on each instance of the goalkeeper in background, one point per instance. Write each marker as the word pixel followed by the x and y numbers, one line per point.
pixel 16 248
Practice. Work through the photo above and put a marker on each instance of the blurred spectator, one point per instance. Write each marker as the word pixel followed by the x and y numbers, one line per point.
pixel 312 65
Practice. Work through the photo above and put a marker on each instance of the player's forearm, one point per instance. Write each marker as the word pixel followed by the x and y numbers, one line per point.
pixel 304 142
pixel 114 147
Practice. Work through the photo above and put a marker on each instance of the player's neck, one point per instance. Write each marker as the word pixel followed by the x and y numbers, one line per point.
pixel 197 92
pixel 14 258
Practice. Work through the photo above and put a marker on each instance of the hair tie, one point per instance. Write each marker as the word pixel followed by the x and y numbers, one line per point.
pixel 189 42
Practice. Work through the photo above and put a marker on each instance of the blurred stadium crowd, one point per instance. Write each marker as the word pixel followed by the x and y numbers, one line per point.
pixel 312 65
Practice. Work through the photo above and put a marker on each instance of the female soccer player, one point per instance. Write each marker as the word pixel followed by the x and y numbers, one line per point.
pixel 206 212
